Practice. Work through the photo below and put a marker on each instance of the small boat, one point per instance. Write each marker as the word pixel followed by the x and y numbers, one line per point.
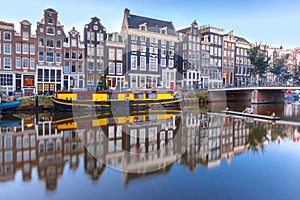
pixel 80 100
pixel 246 113
pixel 9 105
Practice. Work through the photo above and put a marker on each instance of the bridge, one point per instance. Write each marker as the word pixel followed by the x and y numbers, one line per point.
pixel 258 94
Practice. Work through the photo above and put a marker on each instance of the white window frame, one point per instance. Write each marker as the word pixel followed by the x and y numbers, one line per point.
pixel 163 62
pixel 4 35
pixel 24 65
pixel 18 63
pixel 39 56
pixel 25 36
pixel 133 62
pixel 119 66
pixel 7 49
pixel 153 64
pixel 119 54
pixel 18 47
pixel 171 63
pixel 25 48
pixel 111 68
pixel 111 54
pixel 143 64
pixel 5 60
pixel 32 63
pixel 32 49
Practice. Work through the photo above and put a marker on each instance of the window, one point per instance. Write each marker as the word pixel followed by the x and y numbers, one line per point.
pixel 163 62
pixel 50 43
pixel 7 63
pixel 80 55
pixel 73 67
pixel 25 63
pixel 66 67
pixel 50 20
pixel 25 48
pixel 171 63
pixel 50 57
pixel 18 48
pixel 133 62
pixel 67 55
pixel 32 49
pixel 25 36
pixel 41 56
pixel 80 69
pixel 7 49
pixel 52 75
pixel 41 42
pixel 58 75
pixel 58 58
pixel 74 55
pixel 119 54
pixel 58 44
pixel 7 36
pixel 143 63
pixel 133 82
pixel 6 79
pixel 40 75
pixel 153 64
pixel 32 63
pixel 119 68
pixel 50 30
pixel 74 43
pixel 46 74
pixel 111 54
pixel 18 62
pixel 111 69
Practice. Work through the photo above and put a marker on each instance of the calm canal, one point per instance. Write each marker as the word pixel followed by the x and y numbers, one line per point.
pixel 196 153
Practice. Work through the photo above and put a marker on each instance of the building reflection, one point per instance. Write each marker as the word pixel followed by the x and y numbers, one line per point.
pixel 140 144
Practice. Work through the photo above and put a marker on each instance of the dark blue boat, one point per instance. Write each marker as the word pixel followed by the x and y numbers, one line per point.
pixel 9 105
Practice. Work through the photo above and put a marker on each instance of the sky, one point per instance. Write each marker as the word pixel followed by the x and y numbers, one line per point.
pixel 271 22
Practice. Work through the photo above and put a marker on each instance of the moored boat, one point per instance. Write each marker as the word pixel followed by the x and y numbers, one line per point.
pixel 9 105
pixel 107 100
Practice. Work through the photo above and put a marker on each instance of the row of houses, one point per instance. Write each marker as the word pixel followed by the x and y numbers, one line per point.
pixel 146 53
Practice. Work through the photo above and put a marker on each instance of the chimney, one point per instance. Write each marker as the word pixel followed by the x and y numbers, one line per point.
pixel 126 12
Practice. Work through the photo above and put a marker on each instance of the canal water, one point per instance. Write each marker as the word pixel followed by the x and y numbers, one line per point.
pixel 195 153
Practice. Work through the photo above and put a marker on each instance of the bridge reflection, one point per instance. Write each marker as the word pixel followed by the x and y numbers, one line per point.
pixel 138 144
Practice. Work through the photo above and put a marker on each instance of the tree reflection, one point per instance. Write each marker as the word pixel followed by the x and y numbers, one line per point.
pixel 257 137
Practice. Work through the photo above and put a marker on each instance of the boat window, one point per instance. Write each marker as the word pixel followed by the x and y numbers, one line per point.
pixel 113 96
pixel 80 96
pixel 151 96
pixel 89 97
pixel 138 96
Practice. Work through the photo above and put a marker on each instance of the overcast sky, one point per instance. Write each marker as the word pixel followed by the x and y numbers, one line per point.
pixel 273 22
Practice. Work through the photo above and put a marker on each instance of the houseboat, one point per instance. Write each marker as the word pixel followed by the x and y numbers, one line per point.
pixel 135 99
pixel 88 121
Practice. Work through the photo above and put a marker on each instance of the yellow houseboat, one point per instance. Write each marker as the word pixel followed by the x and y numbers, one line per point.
pixel 133 99
pixel 69 122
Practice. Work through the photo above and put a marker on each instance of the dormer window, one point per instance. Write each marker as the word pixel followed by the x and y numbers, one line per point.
pixel 163 30
pixel 143 27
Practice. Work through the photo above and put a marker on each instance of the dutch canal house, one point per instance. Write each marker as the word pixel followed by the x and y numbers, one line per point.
pixel 50 37
pixel 7 73
pixel 94 43
pixel 73 61
pixel 189 68
pixel 214 36
pixel 150 51
pixel 25 59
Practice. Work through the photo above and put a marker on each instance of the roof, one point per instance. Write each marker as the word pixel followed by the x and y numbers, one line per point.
pixel 241 39
pixel 153 25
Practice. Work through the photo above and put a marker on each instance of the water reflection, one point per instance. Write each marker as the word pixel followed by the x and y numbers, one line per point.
pixel 139 144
